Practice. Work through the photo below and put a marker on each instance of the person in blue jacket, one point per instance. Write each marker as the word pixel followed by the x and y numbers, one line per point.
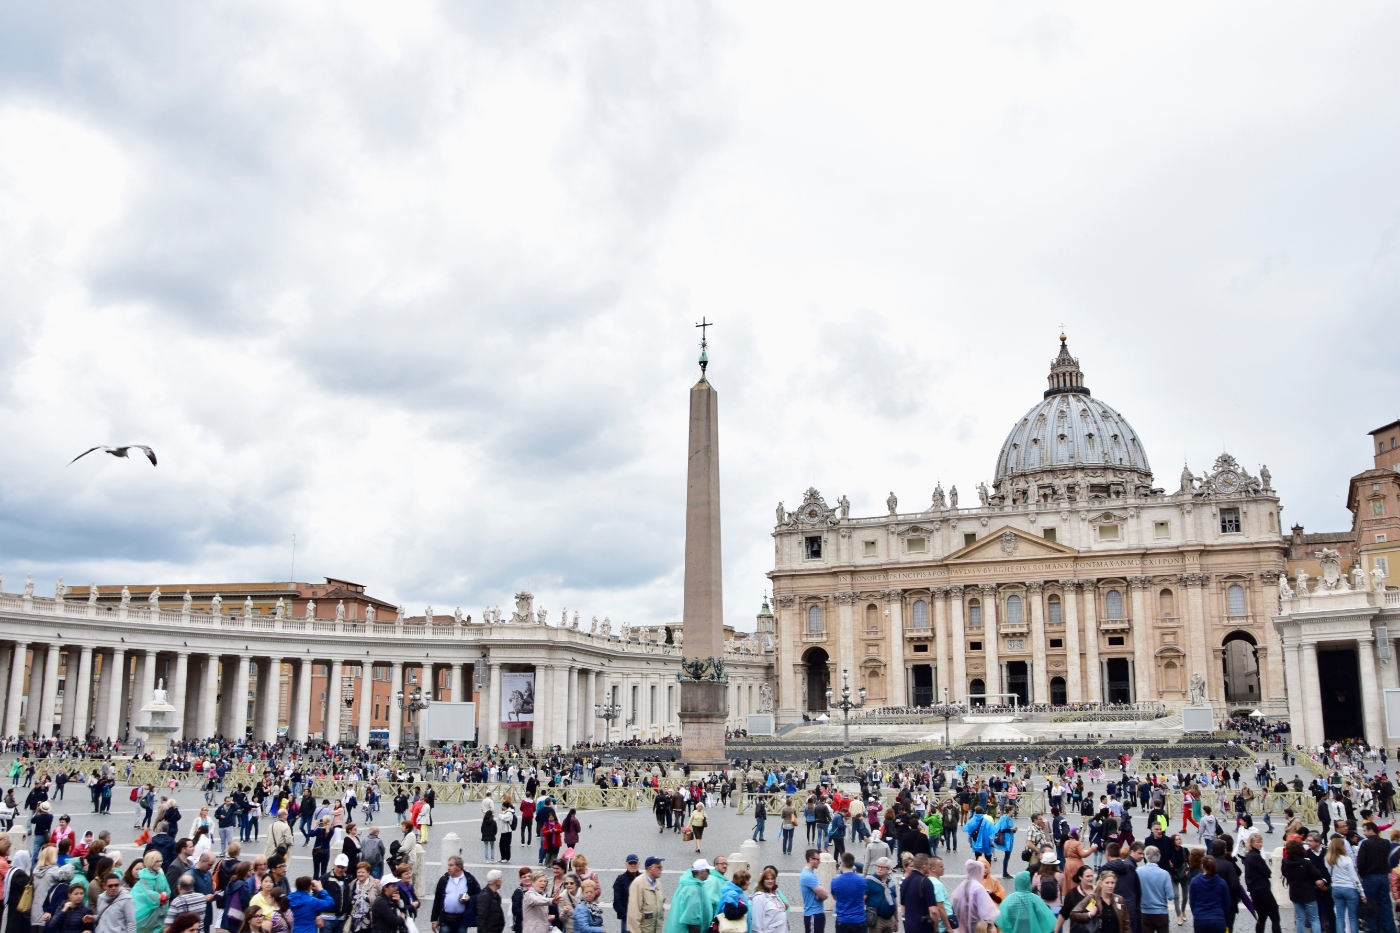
pixel 307 901
pixel 1005 828
pixel 731 897
pixel 979 833
pixel 1209 898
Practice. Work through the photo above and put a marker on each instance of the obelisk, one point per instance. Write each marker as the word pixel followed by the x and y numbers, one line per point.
pixel 704 681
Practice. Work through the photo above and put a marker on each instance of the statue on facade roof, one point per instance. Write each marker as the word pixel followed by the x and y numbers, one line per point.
pixel 952 497
pixel 400 615
pixel 1284 590
pixel 1302 583
pixel 216 605
pixel 939 501
pixel 428 616
pixel 982 495
pixel 153 601
pixel 340 611
pixel 279 611
pixel 1266 478
pixel 311 608
pixel 592 629
pixel 1359 579
pixel 541 616
pixel 92 593
pixel 247 607
pixel 59 590
pixel 1378 577
pixel 29 584
pixel 369 613
pixel 186 602
pixel 845 505
pixel 1188 480
pixel 892 503
pixel 782 514
pixel 457 616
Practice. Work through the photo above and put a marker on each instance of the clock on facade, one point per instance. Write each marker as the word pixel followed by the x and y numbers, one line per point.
pixel 1228 481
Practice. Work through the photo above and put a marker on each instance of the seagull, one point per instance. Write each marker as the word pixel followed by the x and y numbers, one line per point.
pixel 117 452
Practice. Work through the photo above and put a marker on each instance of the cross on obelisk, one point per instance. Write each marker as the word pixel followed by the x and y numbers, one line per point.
pixel 704 355
pixel 704 682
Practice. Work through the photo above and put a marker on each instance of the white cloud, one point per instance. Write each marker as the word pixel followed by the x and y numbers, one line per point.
pixel 417 283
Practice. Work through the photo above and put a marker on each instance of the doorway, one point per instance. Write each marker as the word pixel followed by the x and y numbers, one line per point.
pixel 1118 683
pixel 923 684
pixel 1059 696
pixel 1340 678
pixel 975 690
pixel 817 678
pixel 1018 681
pixel 1240 661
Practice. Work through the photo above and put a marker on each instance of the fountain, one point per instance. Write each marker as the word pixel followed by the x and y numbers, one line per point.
pixel 158 728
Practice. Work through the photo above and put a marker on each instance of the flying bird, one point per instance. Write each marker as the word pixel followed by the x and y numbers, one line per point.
pixel 117 452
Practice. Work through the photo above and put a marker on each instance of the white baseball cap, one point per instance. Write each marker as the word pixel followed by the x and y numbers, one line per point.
pixel 700 865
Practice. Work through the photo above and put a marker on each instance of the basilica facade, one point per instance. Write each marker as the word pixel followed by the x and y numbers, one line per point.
pixel 1071 578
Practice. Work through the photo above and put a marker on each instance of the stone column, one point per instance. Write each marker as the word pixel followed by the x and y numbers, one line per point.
pixel 845 631
pixel 330 732
pixel 178 691
pixel 301 729
pixel 15 694
pixel 395 714
pixel 1091 641
pixel 1144 660
pixel 455 682
pixel 1372 714
pixel 48 692
pixel 573 719
pixel 209 705
pixel 82 691
pixel 786 658
pixel 132 710
pixel 1040 677
pixel 1197 649
pixel 104 697
pixel 70 695
pixel 194 689
pixel 1069 606
pixel 1312 688
pixel 938 596
pixel 958 683
pixel 894 601
pixel 238 718
pixel 590 701
pixel 9 656
pixel 1296 713
pixel 543 727
pixel 991 638
pixel 366 701
pixel 1267 605
pixel 492 713
pixel 35 692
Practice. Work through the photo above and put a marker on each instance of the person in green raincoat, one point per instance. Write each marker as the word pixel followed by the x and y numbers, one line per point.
pixel 934 822
pixel 150 894
pixel 692 908
pixel 1024 911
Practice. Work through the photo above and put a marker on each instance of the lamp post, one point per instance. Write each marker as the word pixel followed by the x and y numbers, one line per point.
pixel 608 712
pixel 417 700
pixel 947 711
pixel 845 705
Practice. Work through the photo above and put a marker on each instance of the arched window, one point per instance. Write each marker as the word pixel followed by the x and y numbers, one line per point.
pixel 1057 615
pixel 1234 599
pixel 1013 610
pixel 814 620
pixel 920 614
pixel 1113 601
pixel 1166 603
pixel 1171 677
pixel 872 683
pixel 872 618
pixel 974 614
pixel 1058 695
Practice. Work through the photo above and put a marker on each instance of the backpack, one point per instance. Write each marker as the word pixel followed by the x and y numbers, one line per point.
pixel 135 792
pixel 1048 889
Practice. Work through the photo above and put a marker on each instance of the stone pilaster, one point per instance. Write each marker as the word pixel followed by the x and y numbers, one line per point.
pixel 366 722
pixel 939 598
pixel 1069 605
pixel 1197 648
pixel 1312 687
pixel 82 697
pixel 1092 668
pixel 1144 663
pixel 958 693
pixel 15 692
pixel 899 682
pixel 1297 716
pixel 991 643
pixel 1371 711
pixel 330 728
pixel 845 630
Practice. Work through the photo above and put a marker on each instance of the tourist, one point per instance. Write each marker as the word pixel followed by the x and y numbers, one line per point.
pixel 970 901
pixel 1304 881
pixel 1345 885
pixel 691 909
pixel 813 914
pixel 387 911
pixel 1155 891
pixel 882 896
pixel 1104 906
pixel 534 906
pixel 454 898
pixel 848 890
pixel 114 911
pixel 488 835
pixel 760 819
pixel 1024 911
pixel 767 909
pixel 698 822
pixel 507 823
pixel 622 884
pixel 646 904
pixel 1258 882
pixel 490 913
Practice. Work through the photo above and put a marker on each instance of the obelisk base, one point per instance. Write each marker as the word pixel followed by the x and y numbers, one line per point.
pixel 704 708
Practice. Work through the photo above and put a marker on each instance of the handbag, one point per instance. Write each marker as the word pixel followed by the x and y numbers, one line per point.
pixel 687 834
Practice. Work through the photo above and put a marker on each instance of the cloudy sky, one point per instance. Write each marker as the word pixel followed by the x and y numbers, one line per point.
pixel 416 282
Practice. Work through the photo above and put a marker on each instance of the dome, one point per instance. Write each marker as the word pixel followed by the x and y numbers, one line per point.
pixel 1070 429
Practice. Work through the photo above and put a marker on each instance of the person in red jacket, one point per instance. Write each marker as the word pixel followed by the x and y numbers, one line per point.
pixel 552 836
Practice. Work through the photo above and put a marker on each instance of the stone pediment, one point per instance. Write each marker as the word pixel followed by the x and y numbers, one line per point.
pixel 1011 544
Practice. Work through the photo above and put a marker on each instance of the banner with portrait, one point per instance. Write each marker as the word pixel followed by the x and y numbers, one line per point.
pixel 517 699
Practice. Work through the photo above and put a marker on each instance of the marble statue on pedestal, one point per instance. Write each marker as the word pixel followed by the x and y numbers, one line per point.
pixel 939 500
pixel 279 612
pixel 1358 579
pixel 845 505
pixel 29 585
pixel 248 608
pixel 59 590
pixel 126 597
pixel 153 601
pixel 92 593
pixel 400 615
pixel 1198 689
pixel 1378 576
pixel 186 602
pixel 340 611
pixel 457 616
pixel 1284 590
pixel 369 614
pixel 892 503
pixel 982 495
pixel 541 616
pixel 1302 583
pixel 592 629
pixel 428 616
pixel 216 605
pixel 311 609
pixel 952 497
